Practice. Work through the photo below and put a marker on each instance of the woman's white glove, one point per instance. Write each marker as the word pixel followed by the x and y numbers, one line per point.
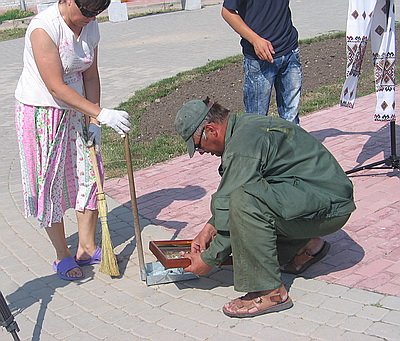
pixel 116 119
pixel 94 136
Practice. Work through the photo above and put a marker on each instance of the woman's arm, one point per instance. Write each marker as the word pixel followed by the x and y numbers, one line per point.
pixel 91 82
pixel 48 62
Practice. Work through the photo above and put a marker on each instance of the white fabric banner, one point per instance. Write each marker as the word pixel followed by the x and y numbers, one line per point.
pixel 375 19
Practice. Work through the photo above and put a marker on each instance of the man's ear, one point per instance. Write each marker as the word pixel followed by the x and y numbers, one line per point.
pixel 211 129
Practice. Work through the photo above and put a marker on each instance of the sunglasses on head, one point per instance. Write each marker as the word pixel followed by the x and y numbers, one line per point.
pixel 88 13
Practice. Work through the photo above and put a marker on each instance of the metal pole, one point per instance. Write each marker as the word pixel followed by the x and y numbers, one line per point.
pixel 7 319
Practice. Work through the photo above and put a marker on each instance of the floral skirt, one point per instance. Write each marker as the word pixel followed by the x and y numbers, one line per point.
pixel 57 173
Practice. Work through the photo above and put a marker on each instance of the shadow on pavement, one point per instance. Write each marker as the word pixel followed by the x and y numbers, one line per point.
pixel 343 254
pixel 377 143
pixel 149 205
pixel 37 295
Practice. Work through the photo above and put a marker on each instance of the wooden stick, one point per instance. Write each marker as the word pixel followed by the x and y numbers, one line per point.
pixel 135 213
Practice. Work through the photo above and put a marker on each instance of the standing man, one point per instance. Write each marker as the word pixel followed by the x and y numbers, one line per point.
pixel 280 191
pixel 271 54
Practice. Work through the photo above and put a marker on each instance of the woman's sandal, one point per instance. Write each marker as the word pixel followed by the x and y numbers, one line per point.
pixel 303 261
pixel 254 304
pixel 64 266
pixel 95 259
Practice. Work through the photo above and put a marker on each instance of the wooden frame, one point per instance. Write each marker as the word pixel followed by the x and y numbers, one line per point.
pixel 167 252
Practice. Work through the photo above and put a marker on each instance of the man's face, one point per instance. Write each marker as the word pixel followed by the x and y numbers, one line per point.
pixel 210 140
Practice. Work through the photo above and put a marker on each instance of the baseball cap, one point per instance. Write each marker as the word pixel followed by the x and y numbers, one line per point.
pixel 188 119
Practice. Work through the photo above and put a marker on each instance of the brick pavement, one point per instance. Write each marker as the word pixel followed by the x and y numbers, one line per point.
pixel 330 302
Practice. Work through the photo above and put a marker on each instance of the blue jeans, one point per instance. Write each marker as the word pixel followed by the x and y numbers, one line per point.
pixel 284 74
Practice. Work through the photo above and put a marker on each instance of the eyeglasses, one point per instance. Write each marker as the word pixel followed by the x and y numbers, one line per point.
pixel 197 147
pixel 88 13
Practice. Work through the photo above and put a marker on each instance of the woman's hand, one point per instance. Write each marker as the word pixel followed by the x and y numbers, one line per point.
pixel 116 119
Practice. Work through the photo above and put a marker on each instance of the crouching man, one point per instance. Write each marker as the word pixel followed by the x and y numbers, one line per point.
pixel 280 191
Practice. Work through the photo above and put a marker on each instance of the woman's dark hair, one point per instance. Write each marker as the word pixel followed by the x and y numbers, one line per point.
pixel 94 5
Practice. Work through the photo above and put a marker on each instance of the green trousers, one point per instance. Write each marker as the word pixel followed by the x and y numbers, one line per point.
pixel 261 241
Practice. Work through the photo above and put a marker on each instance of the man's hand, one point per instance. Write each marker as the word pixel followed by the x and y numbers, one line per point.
pixel 197 266
pixel 264 49
pixel 203 239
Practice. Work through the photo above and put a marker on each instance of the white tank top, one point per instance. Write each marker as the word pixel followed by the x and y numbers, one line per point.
pixel 76 55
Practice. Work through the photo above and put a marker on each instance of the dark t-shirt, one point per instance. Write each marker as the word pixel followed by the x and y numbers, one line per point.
pixel 270 19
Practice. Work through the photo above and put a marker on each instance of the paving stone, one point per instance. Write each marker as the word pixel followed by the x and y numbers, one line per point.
pixel 182 308
pixel 327 333
pixel 145 330
pixel 167 335
pixel 128 323
pixel 342 306
pixel 268 333
pixel 201 283
pixel 393 317
pixel 356 324
pixel 384 330
pixel 152 315
pixel 319 315
pixel 106 331
pixel 336 320
pixel 220 335
pixel 85 321
pixel 135 307
pixel 81 336
pixel 201 332
pixel 313 299
pixel 362 296
pixel 173 290
pixel 297 326
pixel 67 332
pixel 309 285
pixel 113 315
pixel 298 309
pixel 372 313
pixel 391 302
pixel 53 324
pixel 350 336
pixel 176 323
pixel 247 328
pixel 158 299
pixel 212 318
pixel 333 290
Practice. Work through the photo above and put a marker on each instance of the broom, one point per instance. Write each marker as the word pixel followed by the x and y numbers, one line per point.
pixel 108 264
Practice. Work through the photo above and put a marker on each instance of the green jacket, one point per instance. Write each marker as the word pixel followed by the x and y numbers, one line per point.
pixel 282 165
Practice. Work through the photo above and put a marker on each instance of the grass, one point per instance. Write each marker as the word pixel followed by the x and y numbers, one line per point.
pixel 13 14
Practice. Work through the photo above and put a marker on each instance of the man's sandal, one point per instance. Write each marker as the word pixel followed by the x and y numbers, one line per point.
pixel 303 261
pixel 254 304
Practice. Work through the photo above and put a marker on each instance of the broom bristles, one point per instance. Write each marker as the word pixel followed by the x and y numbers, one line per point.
pixel 108 264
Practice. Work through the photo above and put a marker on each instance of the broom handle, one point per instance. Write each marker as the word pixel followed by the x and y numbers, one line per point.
pixel 93 158
pixel 136 223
